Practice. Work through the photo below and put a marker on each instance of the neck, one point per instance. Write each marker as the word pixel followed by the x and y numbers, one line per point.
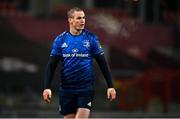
pixel 75 31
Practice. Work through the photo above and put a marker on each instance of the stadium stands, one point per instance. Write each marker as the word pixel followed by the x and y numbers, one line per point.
pixel 133 48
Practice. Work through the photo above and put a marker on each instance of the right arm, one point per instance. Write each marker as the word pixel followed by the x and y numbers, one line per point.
pixel 49 73
pixel 50 69
pixel 51 66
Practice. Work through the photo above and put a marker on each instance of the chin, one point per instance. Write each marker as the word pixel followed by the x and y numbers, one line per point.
pixel 80 29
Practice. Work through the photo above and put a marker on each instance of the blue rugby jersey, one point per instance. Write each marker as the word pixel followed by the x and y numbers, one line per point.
pixel 76 53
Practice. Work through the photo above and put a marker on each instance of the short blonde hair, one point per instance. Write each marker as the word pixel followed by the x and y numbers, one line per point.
pixel 72 10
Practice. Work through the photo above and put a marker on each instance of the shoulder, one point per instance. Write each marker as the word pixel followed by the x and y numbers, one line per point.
pixel 60 36
pixel 63 34
pixel 90 34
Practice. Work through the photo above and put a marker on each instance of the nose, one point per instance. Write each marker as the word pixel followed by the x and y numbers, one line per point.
pixel 82 20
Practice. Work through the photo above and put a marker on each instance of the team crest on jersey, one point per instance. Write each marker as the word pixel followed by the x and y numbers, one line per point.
pixel 86 43
pixel 64 45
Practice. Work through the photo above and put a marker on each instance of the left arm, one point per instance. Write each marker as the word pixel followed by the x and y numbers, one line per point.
pixel 100 58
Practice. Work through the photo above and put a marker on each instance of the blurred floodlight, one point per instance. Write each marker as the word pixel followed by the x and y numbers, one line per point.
pixel 10 64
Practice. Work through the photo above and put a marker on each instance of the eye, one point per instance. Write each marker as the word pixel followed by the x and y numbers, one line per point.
pixel 81 17
pixel 78 17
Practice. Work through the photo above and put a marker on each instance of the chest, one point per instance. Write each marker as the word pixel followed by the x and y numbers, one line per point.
pixel 76 45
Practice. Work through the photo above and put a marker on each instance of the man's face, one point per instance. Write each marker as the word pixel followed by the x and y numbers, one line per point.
pixel 77 20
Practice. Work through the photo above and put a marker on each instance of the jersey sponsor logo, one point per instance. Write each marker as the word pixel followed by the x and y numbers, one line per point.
pixel 76 55
pixel 64 45
pixel 86 43
pixel 75 50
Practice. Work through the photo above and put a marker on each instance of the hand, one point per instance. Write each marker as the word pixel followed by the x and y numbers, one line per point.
pixel 47 95
pixel 111 94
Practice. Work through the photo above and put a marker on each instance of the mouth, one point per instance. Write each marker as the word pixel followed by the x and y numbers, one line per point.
pixel 82 24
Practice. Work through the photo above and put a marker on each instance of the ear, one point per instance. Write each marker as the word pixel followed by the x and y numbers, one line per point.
pixel 69 20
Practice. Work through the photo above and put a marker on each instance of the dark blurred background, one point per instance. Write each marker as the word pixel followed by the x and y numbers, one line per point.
pixel 140 38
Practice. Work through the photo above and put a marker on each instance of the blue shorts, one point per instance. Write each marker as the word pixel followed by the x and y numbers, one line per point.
pixel 71 101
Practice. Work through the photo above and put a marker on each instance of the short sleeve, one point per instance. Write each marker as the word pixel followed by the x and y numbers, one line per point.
pixel 96 46
pixel 56 47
